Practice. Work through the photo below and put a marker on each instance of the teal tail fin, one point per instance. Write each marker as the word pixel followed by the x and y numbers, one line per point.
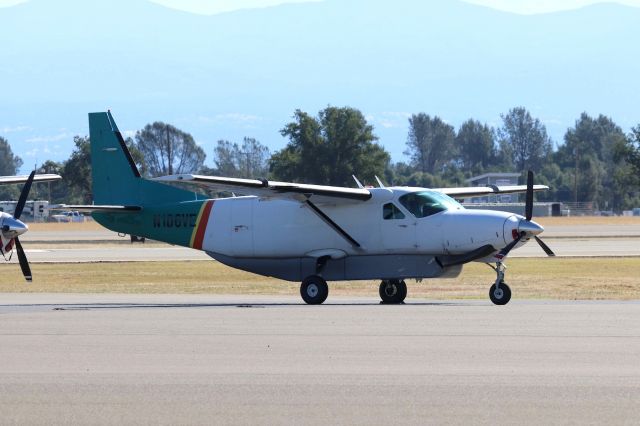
pixel 116 179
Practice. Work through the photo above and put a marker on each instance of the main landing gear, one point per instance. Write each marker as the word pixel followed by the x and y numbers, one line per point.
pixel 499 293
pixel 314 290
pixel 393 292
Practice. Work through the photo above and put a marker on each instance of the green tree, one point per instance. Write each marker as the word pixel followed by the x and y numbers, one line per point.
pixel 632 149
pixel 592 152
pixel 9 166
pixel 430 143
pixel 55 192
pixel 329 149
pixel 476 146
pixel 9 163
pixel 251 160
pixel 76 172
pixel 167 150
pixel 524 140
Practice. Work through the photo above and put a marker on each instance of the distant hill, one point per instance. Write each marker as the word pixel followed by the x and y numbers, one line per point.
pixel 244 73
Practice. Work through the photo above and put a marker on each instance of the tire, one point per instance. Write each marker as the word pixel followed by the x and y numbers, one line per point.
pixel 314 290
pixel 393 292
pixel 502 296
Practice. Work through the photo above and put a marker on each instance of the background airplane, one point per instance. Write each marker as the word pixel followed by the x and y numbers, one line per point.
pixel 309 233
pixel 11 226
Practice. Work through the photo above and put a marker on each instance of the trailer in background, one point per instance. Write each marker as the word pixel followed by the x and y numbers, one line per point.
pixel 34 211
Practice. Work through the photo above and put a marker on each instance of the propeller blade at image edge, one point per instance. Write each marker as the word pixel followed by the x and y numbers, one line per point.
pixel 23 196
pixel 24 263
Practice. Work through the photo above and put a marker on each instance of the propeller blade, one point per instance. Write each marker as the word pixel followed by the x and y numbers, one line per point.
pixel 24 263
pixel 505 251
pixel 545 247
pixel 23 196
pixel 529 200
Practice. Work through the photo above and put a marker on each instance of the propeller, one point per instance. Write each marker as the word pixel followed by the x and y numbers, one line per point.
pixel 527 224
pixel 13 227
pixel 23 196
pixel 24 263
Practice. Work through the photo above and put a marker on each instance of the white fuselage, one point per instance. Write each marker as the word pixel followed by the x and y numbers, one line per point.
pixel 251 227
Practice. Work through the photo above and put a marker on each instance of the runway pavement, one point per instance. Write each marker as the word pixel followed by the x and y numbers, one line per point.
pixel 140 359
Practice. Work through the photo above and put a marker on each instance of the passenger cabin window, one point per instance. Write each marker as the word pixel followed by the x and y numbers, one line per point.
pixel 390 212
pixel 427 203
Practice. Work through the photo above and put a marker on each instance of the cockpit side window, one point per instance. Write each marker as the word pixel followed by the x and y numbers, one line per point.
pixel 426 203
pixel 391 212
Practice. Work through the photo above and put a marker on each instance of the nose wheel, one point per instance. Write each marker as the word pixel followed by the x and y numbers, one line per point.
pixel 393 292
pixel 500 293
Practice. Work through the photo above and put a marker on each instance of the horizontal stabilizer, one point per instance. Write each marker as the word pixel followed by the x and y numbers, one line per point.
pixel 97 208
pixel 6 180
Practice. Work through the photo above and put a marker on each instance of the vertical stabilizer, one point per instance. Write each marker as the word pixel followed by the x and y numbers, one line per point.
pixel 116 179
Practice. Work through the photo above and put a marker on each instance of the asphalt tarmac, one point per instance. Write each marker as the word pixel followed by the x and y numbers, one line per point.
pixel 140 359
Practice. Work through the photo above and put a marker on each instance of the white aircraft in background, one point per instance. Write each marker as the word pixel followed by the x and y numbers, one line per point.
pixel 310 233
pixel 11 227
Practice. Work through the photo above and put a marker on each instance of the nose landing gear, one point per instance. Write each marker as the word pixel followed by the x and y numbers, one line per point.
pixel 499 293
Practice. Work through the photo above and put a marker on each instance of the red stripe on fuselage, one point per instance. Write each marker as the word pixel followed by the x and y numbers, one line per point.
pixel 202 226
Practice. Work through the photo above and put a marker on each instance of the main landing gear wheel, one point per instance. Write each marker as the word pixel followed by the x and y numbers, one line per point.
pixel 500 295
pixel 314 290
pixel 393 292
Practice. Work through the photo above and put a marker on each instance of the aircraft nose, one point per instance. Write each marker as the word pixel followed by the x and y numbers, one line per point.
pixel 529 227
pixel 12 227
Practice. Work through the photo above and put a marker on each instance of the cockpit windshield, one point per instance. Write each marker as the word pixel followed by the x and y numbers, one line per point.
pixel 427 203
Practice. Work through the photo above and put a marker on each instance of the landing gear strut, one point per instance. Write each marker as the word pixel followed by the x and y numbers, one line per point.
pixel 393 292
pixel 499 293
pixel 314 290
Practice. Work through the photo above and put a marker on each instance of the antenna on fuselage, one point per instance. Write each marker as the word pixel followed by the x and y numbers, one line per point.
pixel 380 182
pixel 357 182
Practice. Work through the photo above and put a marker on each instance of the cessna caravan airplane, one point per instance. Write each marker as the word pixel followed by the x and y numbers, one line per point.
pixel 309 233
pixel 11 227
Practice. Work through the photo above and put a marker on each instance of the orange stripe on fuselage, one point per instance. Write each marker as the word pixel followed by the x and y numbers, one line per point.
pixel 201 225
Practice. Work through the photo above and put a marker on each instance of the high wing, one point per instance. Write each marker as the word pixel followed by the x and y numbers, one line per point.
pixel 6 180
pixel 272 189
pixel 479 191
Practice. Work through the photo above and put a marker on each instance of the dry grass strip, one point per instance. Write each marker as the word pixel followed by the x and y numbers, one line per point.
pixel 555 278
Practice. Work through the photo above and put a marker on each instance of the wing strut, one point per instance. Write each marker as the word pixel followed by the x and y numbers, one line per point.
pixel 332 224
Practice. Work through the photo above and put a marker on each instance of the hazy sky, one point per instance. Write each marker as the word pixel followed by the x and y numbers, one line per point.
pixel 542 6
pixel 210 7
